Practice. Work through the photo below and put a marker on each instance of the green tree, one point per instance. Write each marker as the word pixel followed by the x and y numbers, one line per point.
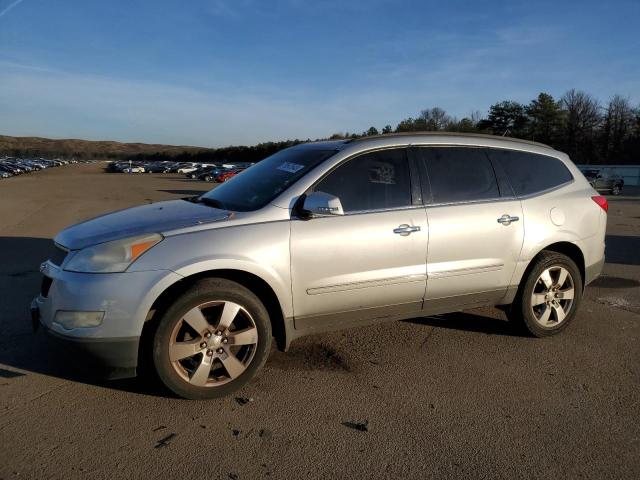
pixel 387 129
pixel 546 119
pixel 372 131
pixel 506 118
pixel 406 125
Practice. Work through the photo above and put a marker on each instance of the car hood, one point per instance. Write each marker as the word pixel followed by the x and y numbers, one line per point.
pixel 158 217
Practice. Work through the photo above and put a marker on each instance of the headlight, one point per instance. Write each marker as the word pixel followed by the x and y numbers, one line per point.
pixel 113 256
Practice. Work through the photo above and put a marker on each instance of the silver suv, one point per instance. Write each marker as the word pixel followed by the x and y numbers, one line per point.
pixel 324 236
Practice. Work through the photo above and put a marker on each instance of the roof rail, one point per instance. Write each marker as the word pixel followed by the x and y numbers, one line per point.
pixel 448 134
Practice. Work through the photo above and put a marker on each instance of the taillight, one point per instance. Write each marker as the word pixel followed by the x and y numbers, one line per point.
pixel 600 200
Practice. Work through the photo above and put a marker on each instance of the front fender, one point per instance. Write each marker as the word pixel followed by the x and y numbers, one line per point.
pixel 263 271
pixel 261 249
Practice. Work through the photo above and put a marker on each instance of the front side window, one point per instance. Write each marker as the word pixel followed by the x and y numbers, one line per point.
pixel 459 174
pixel 531 173
pixel 258 185
pixel 372 181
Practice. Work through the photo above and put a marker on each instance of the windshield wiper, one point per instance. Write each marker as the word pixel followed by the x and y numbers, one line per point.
pixel 211 202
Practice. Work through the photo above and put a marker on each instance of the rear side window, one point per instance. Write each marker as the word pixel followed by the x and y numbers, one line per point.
pixel 459 174
pixel 531 173
pixel 373 181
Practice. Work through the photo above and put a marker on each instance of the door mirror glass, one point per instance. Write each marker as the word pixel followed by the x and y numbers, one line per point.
pixel 322 204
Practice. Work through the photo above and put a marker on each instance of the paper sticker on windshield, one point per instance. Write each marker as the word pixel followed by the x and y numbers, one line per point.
pixel 290 167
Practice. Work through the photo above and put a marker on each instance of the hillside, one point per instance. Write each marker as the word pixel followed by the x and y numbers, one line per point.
pixel 38 146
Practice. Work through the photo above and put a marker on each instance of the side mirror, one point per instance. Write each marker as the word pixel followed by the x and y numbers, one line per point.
pixel 322 204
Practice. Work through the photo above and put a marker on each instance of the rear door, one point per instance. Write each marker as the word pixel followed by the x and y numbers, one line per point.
pixel 475 226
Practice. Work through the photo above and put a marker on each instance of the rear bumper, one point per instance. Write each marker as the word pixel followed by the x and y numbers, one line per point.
pixel 111 358
pixel 593 271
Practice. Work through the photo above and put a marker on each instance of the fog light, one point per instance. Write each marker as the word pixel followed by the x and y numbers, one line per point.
pixel 71 320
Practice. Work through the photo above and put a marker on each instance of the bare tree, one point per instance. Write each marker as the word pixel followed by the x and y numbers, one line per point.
pixel 581 121
pixel 435 118
pixel 618 125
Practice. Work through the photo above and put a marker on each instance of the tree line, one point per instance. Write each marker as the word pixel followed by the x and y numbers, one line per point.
pixel 577 123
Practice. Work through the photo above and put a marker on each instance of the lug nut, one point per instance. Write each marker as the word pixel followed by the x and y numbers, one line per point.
pixel 203 344
pixel 225 340
pixel 220 350
pixel 207 335
pixel 209 353
pixel 218 333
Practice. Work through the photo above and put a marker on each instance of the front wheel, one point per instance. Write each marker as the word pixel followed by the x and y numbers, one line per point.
pixel 212 340
pixel 549 297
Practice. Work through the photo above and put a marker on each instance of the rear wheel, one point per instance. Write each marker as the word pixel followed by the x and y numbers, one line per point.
pixel 212 340
pixel 549 297
pixel 616 190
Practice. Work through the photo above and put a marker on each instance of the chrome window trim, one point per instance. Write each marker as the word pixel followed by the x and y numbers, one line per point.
pixel 382 210
pixel 501 199
pixel 547 190
pixel 471 202
pixel 365 212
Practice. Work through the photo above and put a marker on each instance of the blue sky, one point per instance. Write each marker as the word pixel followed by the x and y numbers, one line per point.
pixel 217 72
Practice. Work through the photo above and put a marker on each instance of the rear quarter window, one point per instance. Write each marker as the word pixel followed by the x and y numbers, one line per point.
pixel 531 173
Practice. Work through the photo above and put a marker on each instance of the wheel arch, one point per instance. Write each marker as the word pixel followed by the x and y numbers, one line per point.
pixel 261 288
pixel 571 250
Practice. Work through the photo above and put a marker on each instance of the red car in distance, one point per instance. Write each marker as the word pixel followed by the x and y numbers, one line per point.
pixel 223 177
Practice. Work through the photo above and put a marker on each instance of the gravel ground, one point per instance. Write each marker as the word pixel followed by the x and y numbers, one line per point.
pixel 439 397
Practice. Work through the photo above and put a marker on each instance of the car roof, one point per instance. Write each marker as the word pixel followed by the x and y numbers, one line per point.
pixel 417 137
pixel 426 137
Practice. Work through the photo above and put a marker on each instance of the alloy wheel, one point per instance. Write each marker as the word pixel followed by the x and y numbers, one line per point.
pixel 213 343
pixel 552 296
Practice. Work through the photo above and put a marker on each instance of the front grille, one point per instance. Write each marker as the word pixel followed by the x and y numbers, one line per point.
pixel 45 286
pixel 58 255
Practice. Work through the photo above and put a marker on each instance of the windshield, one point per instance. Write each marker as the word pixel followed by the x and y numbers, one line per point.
pixel 256 186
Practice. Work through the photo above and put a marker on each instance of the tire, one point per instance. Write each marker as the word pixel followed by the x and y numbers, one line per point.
pixel 207 178
pixel 211 367
pixel 557 309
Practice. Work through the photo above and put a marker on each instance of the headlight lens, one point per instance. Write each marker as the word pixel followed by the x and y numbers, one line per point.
pixel 113 256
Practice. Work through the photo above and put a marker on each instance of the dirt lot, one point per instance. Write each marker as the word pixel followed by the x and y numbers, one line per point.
pixel 439 397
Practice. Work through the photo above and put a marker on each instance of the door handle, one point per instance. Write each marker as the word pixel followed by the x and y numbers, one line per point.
pixel 507 219
pixel 405 229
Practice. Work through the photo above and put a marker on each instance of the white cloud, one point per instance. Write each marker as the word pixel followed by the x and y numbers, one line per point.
pixel 49 103
pixel 9 7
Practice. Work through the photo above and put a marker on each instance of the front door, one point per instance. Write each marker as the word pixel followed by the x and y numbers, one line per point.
pixel 369 262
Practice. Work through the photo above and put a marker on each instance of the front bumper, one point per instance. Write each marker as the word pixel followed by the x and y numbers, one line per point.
pixel 110 358
pixel 125 298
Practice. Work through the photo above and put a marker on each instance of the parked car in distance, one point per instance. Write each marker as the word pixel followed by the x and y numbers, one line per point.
pixel 200 170
pixel 228 175
pixel 187 168
pixel 324 236
pixel 604 182
pixel 210 175
pixel 158 167
pixel 134 169
pixel 11 166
